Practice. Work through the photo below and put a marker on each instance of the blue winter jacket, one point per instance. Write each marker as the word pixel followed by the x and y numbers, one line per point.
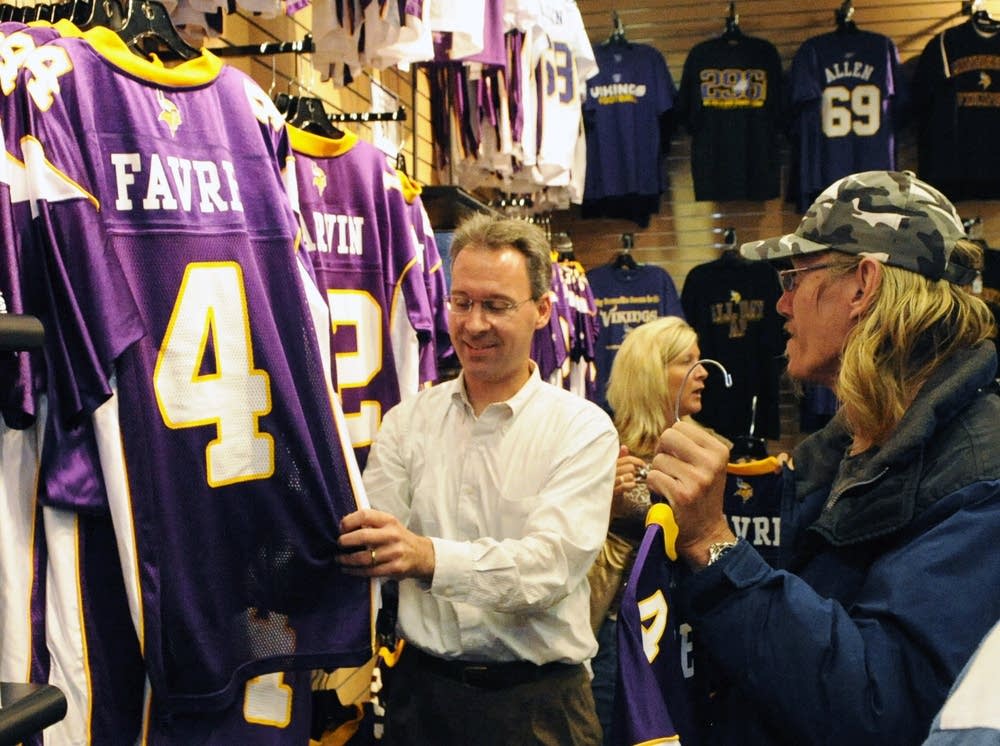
pixel 891 578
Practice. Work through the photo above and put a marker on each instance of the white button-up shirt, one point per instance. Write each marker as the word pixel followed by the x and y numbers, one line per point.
pixel 516 502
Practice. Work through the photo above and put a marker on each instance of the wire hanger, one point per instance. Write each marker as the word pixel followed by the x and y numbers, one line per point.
pixel 617 30
pixel 732 32
pixel 844 15
pixel 749 446
pixel 625 260
pixel 148 25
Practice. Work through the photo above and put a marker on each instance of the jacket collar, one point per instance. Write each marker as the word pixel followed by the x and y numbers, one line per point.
pixel 877 493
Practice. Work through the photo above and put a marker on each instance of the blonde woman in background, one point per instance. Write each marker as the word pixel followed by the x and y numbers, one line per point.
pixel 645 392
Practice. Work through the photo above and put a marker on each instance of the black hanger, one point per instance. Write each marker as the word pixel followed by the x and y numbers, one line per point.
pixel 625 260
pixel 401 163
pixel 562 244
pixel 281 103
pixel 87 14
pixel 148 25
pixel 749 446
pixel 617 30
pixel 843 16
pixel 732 32
pixel 310 115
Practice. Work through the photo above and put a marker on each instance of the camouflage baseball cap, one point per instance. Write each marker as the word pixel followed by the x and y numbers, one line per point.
pixel 887 215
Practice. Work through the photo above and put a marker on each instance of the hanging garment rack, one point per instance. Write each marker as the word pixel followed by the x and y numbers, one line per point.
pixel 370 116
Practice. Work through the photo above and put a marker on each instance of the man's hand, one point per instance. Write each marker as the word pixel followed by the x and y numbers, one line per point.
pixel 689 470
pixel 376 545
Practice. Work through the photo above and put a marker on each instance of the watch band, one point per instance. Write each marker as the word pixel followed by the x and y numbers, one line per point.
pixel 719 550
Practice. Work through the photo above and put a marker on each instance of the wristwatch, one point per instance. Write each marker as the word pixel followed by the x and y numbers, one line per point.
pixel 718 550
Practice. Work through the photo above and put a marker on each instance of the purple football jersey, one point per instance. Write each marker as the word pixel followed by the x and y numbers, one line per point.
pixel 171 241
pixel 652 703
pixel 752 504
pixel 439 347
pixel 368 267
pixel 274 710
pixel 847 90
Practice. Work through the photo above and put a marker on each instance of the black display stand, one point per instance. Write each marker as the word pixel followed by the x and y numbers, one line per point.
pixel 27 709
pixel 19 332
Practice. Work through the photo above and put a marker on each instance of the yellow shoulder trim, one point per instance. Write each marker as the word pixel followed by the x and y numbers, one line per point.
pixel 318 146
pixel 663 515
pixel 194 72
pixel 769 465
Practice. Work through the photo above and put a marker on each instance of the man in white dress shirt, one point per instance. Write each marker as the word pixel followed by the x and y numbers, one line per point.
pixel 491 497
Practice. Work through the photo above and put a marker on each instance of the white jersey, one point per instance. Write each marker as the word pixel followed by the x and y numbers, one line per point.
pixel 563 68
pixel 465 20
pixel 399 41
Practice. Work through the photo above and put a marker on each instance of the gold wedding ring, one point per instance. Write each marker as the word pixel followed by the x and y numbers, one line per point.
pixel 373 558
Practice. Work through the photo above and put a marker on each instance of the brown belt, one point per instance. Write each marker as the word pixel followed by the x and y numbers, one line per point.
pixel 484 675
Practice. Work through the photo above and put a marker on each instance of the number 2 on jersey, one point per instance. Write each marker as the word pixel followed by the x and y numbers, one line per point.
pixel 205 374
pixel 358 309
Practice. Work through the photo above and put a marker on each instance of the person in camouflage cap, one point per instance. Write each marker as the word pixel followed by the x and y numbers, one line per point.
pixel 891 515
pixel 890 216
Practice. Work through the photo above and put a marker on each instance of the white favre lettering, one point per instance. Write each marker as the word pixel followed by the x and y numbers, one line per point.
pixel 766 529
pixel 182 184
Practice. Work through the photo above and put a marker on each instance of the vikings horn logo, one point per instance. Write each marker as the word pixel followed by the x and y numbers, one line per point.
pixel 169 113
pixel 318 178
pixel 743 490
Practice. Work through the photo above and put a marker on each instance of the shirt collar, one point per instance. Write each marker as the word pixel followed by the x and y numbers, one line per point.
pixel 512 405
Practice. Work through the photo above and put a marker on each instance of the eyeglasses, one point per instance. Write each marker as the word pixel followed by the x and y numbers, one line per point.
pixel 497 307
pixel 789 277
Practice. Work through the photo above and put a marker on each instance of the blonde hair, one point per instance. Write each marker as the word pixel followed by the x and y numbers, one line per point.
pixel 637 386
pixel 911 328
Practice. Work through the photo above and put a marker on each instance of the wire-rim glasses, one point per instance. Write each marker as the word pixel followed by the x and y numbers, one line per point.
pixel 462 305
pixel 789 278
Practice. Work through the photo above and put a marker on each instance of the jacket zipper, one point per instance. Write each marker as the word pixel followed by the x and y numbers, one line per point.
pixel 835 497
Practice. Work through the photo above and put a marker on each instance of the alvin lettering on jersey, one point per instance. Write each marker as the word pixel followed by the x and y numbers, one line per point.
pixel 847 92
pixel 191 303
pixel 370 271
pixel 752 504
pixel 652 703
